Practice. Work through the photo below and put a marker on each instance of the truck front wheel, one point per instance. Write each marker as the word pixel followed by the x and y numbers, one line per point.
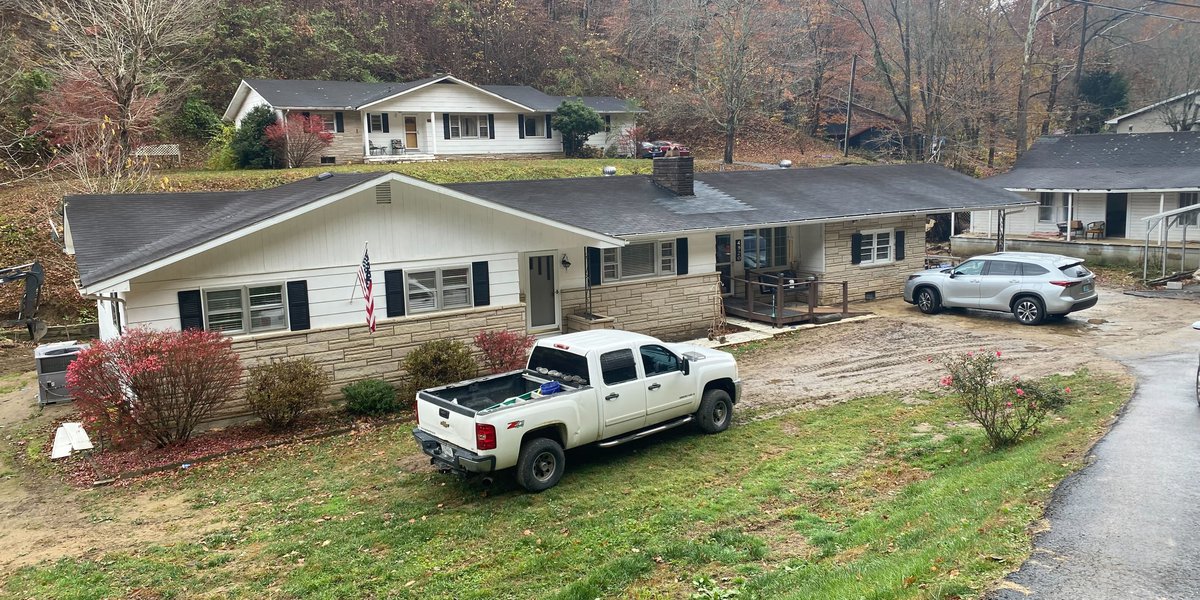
pixel 716 411
pixel 540 464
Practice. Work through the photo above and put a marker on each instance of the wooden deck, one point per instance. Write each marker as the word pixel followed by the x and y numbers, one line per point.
pixel 781 305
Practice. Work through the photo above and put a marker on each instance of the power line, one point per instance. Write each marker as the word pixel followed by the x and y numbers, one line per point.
pixel 1183 4
pixel 1135 11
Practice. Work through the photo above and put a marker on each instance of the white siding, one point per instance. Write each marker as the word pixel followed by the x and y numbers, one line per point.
pixel 810 247
pixel 619 124
pixel 253 99
pixel 421 228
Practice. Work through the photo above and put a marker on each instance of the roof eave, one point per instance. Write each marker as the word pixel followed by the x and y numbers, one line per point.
pixel 239 97
pixel 444 78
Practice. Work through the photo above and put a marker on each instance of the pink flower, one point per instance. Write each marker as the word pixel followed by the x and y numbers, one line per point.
pixel 1020 392
pixel 1008 404
pixel 946 381
pixel 1067 390
pixel 997 354
pixel 970 355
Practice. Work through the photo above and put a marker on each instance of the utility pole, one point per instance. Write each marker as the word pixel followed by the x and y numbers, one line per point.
pixel 849 105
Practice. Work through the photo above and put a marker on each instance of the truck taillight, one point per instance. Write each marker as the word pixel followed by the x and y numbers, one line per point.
pixel 485 437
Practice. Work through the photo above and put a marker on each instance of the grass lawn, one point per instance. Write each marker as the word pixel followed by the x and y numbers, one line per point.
pixel 875 498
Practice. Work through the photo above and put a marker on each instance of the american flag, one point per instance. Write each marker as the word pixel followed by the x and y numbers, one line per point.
pixel 364 282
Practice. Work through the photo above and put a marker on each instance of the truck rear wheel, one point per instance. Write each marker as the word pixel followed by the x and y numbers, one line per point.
pixel 540 464
pixel 716 411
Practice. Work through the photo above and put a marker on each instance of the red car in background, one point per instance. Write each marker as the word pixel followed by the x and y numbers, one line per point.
pixel 665 147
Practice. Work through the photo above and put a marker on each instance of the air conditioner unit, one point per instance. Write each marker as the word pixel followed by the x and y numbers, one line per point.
pixel 52 361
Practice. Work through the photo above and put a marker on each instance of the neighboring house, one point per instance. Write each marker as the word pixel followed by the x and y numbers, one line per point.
pixel 1109 179
pixel 439 115
pixel 277 268
pixel 870 129
pixel 1177 113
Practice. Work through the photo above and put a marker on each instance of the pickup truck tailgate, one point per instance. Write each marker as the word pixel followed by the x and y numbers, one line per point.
pixel 446 421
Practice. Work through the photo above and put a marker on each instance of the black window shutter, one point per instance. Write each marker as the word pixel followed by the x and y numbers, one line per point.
pixel 480 283
pixel 394 292
pixel 491 126
pixel 446 125
pixel 547 126
pixel 191 310
pixel 297 301
pixel 899 244
pixel 339 122
pixel 385 124
pixel 681 265
pixel 305 114
pixel 856 249
pixel 593 266
pixel 607 123
pixel 521 126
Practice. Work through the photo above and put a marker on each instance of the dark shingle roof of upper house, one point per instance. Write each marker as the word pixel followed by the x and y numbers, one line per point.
pixel 304 93
pixel 633 205
pixel 114 234
pixel 1107 161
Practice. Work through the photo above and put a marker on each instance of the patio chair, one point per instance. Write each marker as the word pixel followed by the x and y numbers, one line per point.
pixel 1095 229
pixel 398 146
pixel 1076 228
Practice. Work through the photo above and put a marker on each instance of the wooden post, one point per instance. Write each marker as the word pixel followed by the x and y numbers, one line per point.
pixel 749 298
pixel 778 303
pixel 845 298
pixel 812 299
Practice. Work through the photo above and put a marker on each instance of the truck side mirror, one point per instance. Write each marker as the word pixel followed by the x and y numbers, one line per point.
pixel 686 366
pixel 1196 325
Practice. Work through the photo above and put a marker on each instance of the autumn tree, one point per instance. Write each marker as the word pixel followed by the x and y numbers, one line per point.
pixel 297 138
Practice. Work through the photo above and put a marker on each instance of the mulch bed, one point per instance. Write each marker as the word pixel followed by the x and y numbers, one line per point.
pixel 121 467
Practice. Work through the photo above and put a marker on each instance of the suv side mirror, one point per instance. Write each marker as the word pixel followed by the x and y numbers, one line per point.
pixel 686 365
pixel 1196 325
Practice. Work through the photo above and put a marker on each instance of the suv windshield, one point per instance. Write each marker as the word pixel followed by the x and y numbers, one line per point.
pixel 1075 270
pixel 559 364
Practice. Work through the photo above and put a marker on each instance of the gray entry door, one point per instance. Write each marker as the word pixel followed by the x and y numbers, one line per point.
pixel 542 309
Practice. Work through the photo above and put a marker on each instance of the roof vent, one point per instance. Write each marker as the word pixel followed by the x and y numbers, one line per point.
pixel 675 173
pixel 609 171
pixel 383 193
pixel 785 164
pixel 324 176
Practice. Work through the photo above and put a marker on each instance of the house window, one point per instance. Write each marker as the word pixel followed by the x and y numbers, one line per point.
pixel 1188 199
pixel 439 289
pixel 1046 207
pixel 764 248
pixel 607 123
pixel 330 123
pixel 329 160
pixel 638 260
pixel 253 309
pixel 376 122
pixel 468 126
pixel 876 247
pixel 531 126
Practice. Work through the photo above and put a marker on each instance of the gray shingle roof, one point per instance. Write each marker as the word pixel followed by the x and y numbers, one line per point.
pixel 114 234
pixel 633 205
pixel 1107 161
pixel 303 93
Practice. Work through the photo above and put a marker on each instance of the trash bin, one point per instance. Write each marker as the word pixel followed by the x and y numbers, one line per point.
pixel 52 361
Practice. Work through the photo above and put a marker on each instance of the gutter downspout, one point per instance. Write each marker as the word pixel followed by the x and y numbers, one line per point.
pixel 1070 213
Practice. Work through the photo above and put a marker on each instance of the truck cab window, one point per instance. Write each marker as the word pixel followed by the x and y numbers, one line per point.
pixel 618 366
pixel 657 360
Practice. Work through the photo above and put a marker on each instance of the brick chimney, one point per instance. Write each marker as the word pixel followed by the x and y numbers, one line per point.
pixel 674 173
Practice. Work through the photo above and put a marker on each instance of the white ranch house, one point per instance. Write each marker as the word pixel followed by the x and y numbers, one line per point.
pixel 276 268
pixel 1177 113
pixel 415 120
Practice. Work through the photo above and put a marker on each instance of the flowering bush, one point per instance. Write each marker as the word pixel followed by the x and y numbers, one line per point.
pixel 1007 408
pixel 153 386
pixel 503 350
pixel 280 392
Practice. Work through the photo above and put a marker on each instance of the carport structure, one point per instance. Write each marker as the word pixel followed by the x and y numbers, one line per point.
pixel 1182 218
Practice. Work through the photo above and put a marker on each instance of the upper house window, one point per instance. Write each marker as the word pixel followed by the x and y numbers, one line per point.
pixel 468 126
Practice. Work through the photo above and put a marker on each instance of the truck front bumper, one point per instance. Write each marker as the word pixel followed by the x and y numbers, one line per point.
pixel 449 456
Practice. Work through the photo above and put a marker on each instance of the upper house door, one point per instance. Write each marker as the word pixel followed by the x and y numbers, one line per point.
pixel 1116 213
pixel 410 133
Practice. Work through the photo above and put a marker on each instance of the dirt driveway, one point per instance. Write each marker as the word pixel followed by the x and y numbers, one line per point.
pixel 42 519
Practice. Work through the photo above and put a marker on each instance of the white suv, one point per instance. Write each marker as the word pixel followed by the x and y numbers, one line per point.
pixel 1030 285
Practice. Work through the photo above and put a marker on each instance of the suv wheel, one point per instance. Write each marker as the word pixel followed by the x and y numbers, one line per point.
pixel 928 301
pixel 1029 310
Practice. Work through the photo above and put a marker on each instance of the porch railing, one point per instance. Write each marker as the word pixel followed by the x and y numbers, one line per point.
pixel 770 306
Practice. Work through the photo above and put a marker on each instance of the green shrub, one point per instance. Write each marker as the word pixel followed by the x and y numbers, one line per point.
pixel 219 149
pixel 196 120
pixel 1006 408
pixel 370 397
pixel 280 392
pixel 249 144
pixel 437 363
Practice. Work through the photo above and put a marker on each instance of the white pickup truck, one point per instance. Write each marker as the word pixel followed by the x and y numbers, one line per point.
pixel 603 386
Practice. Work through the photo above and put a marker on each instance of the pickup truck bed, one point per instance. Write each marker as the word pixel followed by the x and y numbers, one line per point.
pixel 489 392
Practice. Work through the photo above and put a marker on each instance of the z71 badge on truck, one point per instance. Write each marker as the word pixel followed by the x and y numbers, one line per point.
pixel 605 386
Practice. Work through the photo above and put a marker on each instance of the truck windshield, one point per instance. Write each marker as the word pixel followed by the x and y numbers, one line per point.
pixel 559 364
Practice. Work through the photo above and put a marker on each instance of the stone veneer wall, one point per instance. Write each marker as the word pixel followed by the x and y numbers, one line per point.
pixel 885 280
pixel 670 308
pixel 352 353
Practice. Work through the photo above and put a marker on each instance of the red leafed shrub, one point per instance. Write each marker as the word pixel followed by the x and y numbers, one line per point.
pixel 298 138
pixel 503 350
pixel 153 386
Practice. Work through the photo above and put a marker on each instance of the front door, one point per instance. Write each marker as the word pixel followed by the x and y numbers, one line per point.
pixel 542 297
pixel 1116 212
pixel 410 133
pixel 725 261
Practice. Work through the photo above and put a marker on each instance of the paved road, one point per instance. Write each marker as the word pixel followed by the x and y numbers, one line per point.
pixel 1128 525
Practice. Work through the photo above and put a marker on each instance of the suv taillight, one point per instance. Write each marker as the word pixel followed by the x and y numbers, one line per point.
pixel 1062 283
pixel 485 436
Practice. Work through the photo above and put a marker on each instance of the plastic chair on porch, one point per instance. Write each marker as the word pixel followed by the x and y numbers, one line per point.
pixel 1095 229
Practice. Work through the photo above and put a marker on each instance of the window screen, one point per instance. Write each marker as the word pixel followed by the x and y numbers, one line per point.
pixel 266 308
pixel 456 288
pixel 225 310
pixel 637 260
pixel 422 290
pixel 618 367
